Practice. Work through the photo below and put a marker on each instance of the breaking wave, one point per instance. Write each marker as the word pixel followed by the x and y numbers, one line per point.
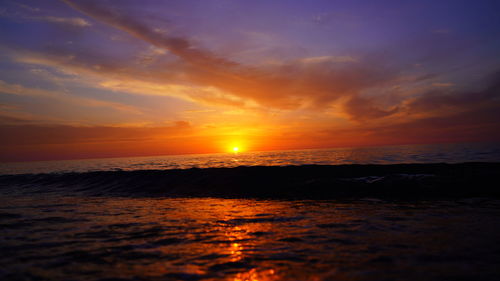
pixel 301 182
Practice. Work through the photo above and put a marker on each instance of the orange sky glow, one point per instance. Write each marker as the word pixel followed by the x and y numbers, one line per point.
pixel 116 79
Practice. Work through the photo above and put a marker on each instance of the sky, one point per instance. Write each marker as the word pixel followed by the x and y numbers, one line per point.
pixel 119 78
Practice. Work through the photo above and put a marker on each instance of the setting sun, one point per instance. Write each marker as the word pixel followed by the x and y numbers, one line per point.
pixel 236 146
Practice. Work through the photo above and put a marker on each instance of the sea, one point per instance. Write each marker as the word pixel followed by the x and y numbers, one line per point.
pixel 432 153
pixel 52 228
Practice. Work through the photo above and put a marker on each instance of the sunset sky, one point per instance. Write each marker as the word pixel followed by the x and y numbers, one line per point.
pixel 90 79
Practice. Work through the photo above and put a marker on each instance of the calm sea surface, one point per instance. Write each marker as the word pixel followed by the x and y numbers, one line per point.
pixel 447 153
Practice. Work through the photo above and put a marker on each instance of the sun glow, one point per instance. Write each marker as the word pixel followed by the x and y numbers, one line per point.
pixel 235 146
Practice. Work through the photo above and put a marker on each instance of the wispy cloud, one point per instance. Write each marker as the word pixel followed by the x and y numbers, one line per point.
pixel 20 90
pixel 29 8
pixel 80 22
pixel 329 59
pixel 314 82
pixel 201 76
pixel 31 13
pixel 442 85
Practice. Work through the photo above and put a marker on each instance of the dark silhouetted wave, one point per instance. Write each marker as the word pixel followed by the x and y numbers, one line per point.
pixel 290 182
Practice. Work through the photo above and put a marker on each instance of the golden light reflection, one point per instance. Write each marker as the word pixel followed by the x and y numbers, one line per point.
pixel 257 275
pixel 236 252
pixel 235 248
pixel 241 241
pixel 237 240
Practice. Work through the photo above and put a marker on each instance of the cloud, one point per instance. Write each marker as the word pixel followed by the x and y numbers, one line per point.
pixel 446 115
pixel 177 45
pixel 65 21
pixel 12 118
pixel 475 125
pixel 439 115
pixel 48 142
pixel 427 76
pixel 28 8
pixel 15 89
pixel 443 101
pixel 167 79
pixel 12 114
pixel 479 124
pixel 314 82
pixel 362 109
pixel 34 14
pixel 442 85
pixel 329 59
pixel 65 134
pixel 318 83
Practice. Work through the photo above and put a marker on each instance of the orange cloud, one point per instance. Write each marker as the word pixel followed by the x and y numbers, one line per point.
pixel 310 82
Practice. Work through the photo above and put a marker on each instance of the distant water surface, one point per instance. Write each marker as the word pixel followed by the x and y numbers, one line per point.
pixel 446 153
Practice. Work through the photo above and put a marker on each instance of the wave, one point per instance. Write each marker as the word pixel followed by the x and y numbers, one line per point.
pixel 292 182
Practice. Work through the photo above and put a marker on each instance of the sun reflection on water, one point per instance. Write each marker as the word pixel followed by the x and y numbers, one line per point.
pixel 235 240
pixel 257 275
pixel 231 234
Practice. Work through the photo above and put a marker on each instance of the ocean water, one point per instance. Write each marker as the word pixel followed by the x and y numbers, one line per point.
pixel 125 239
pixel 126 219
pixel 436 153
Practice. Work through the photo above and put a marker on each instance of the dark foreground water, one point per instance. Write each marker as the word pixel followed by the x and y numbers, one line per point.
pixel 48 237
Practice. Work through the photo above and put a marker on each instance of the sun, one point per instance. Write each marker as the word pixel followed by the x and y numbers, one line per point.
pixel 236 146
